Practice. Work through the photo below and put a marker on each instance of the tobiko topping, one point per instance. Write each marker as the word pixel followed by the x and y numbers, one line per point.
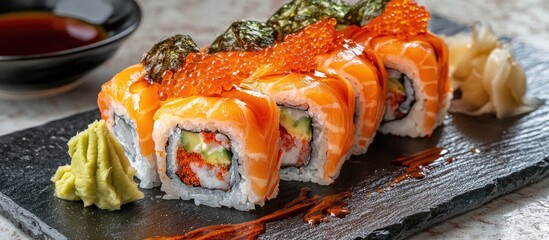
pixel 401 18
pixel 210 74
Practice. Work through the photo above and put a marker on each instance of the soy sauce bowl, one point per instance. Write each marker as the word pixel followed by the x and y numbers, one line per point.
pixel 46 74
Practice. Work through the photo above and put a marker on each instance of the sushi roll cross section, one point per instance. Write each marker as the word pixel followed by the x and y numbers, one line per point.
pixel 219 150
pixel 203 159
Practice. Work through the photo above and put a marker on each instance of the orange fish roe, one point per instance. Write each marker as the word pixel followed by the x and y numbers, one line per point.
pixel 210 74
pixel 401 18
pixel 186 174
pixel 298 51
pixel 209 137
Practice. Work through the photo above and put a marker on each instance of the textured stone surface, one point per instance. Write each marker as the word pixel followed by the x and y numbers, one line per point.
pixel 517 215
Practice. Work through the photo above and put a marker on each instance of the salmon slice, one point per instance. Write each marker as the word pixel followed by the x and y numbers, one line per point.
pixel 444 90
pixel 365 72
pixel 132 91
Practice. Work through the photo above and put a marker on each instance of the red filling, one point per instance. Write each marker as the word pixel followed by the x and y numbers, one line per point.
pixel 286 139
pixel 394 100
pixel 287 142
pixel 209 137
pixel 187 175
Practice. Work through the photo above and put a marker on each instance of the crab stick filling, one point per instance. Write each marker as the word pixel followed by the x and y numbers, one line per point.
pixel 400 95
pixel 204 160
pixel 295 136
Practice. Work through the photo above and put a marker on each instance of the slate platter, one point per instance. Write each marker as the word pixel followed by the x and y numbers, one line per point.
pixel 513 153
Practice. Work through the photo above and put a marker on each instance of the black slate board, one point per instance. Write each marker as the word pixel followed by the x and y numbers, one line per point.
pixel 513 154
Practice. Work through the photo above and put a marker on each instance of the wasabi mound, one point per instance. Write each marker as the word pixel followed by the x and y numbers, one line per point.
pixel 99 172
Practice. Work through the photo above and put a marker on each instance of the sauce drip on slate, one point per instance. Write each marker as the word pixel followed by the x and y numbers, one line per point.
pixel 317 208
pixel 419 164
pixel 475 150
pixel 41 32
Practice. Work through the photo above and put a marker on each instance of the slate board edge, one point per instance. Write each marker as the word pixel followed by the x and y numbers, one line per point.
pixel 413 224
pixel 26 221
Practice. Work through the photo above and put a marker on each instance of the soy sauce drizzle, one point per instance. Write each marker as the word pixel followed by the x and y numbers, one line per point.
pixel 317 207
pixel 420 163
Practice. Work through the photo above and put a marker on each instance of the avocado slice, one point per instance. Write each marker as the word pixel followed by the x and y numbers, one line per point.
pixel 304 126
pixel 222 157
pixel 189 140
pixel 300 127
pixel 396 86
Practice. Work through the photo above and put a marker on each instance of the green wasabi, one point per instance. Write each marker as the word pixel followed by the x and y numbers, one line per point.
pixel 99 173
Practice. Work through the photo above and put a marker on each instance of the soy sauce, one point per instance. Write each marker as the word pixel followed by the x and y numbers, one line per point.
pixel 40 32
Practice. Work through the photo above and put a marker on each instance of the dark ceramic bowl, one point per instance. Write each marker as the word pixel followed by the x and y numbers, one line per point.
pixel 50 73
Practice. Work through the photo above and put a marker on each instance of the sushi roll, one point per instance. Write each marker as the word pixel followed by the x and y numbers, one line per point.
pixel 365 72
pixel 316 123
pixel 415 104
pixel 219 150
pixel 127 104
pixel 418 91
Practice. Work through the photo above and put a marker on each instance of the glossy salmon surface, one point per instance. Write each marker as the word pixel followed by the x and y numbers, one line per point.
pixel 138 97
pixel 365 72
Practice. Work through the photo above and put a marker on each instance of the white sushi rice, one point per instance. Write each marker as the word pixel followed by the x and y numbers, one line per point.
pixel 443 111
pixel 360 103
pixel 166 135
pixel 412 124
pixel 123 128
pixel 208 179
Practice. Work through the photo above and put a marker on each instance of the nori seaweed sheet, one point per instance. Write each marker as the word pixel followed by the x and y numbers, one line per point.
pixel 244 35
pixel 364 11
pixel 296 15
pixel 168 55
pixel 248 35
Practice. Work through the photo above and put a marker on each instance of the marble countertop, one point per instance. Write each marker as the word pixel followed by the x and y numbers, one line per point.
pixel 523 214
